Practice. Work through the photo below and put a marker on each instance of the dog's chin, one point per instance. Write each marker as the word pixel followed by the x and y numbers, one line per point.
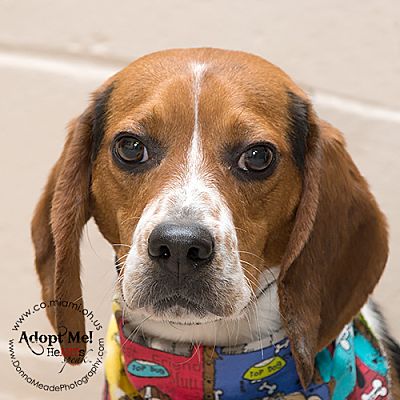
pixel 177 310
pixel 180 310
pixel 178 315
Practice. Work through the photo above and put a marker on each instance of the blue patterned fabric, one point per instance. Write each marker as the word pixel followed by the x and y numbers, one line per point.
pixel 353 367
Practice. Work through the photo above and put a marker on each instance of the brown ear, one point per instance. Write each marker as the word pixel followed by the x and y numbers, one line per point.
pixel 57 225
pixel 337 250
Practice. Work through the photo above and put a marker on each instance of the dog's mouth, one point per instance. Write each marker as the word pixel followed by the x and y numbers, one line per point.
pixel 179 308
pixel 177 301
pixel 184 309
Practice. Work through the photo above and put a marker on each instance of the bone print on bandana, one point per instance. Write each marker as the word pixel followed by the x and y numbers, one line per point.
pixel 352 367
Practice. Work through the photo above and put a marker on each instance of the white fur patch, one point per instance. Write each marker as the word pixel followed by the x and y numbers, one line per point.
pixel 257 327
pixel 195 152
pixel 373 319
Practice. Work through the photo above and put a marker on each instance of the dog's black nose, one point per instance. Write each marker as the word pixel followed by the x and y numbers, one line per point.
pixel 181 248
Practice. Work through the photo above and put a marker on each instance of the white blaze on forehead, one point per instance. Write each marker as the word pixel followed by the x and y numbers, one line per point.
pixel 193 183
pixel 195 152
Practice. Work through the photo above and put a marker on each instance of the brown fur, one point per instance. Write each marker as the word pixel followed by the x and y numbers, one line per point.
pixel 339 243
pixel 321 225
pixel 395 379
pixel 56 228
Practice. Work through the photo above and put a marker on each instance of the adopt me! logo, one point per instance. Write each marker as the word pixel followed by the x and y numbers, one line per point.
pixel 45 343
pixel 36 354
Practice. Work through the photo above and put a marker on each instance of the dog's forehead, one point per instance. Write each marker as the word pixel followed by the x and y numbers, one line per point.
pixel 225 84
pixel 245 69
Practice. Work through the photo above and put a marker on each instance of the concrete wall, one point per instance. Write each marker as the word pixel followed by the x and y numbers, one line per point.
pixel 53 54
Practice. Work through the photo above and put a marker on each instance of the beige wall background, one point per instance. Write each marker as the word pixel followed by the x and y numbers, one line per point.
pixel 346 54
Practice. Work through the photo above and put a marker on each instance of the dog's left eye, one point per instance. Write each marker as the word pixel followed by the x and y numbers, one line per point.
pixel 130 150
pixel 257 158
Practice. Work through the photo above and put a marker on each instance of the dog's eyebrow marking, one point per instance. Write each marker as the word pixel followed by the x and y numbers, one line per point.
pixel 299 128
pixel 99 120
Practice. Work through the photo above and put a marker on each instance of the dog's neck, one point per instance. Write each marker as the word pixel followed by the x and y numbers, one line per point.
pixel 259 321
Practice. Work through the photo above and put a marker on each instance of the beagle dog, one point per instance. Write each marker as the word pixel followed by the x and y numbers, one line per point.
pixel 240 224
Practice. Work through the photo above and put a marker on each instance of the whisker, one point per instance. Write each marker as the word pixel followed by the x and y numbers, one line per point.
pixel 139 326
pixel 120 244
pixel 252 254
pixel 128 219
pixel 195 346
pixel 251 265
pixel 241 229
pixel 120 258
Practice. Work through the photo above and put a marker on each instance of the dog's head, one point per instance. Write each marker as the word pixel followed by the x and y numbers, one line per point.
pixel 203 168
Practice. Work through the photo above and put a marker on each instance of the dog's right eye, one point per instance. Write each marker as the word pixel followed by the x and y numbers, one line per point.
pixel 129 151
pixel 136 153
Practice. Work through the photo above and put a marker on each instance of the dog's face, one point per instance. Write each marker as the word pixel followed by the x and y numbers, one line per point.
pixel 202 182
pixel 204 168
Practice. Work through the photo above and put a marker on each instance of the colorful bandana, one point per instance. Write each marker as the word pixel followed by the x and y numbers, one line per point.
pixel 353 367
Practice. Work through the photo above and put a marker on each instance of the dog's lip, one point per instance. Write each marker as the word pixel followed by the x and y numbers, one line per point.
pixel 266 288
pixel 261 293
pixel 187 323
pixel 177 298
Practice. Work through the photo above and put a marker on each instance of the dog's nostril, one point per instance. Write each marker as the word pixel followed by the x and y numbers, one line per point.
pixel 193 254
pixel 199 253
pixel 164 252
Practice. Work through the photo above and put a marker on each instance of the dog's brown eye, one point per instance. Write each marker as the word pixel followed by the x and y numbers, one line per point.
pixel 257 159
pixel 131 150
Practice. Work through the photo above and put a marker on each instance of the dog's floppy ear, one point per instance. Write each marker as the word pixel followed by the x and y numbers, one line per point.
pixel 58 221
pixel 338 247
